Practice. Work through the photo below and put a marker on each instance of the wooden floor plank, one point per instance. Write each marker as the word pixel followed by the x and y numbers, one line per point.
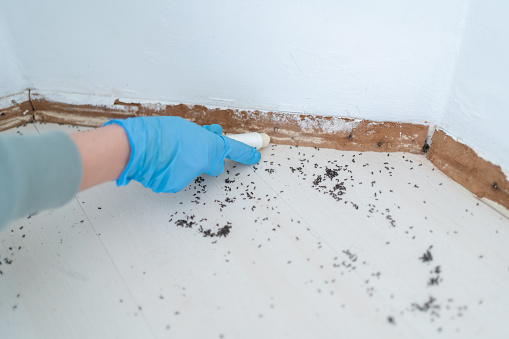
pixel 307 243
pixel 426 209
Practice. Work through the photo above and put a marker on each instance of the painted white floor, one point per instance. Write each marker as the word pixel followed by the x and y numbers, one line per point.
pixel 321 244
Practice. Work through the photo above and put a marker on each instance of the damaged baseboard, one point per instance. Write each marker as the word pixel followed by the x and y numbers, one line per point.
pixel 457 160
pixel 15 110
pixel 283 128
pixel 461 163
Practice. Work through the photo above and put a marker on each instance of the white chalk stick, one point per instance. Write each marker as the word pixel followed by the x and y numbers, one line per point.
pixel 257 140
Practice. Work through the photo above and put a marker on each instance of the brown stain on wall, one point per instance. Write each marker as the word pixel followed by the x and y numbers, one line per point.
pixel 283 128
pixel 16 115
pixel 463 165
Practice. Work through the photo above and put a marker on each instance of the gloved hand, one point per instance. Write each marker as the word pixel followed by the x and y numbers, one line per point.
pixel 167 153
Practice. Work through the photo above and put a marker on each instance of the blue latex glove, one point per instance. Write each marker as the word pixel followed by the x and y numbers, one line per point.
pixel 167 153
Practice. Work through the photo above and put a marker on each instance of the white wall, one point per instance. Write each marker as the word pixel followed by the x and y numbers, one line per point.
pixel 367 59
pixel 12 79
pixel 394 61
pixel 478 109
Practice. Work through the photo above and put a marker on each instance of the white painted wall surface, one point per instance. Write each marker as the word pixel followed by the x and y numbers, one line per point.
pixel 12 79
pixel 365 59
pixel 394 61
pixel 478 108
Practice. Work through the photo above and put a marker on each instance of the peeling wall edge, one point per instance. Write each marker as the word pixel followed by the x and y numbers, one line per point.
pixel 15 110
pixel 462 164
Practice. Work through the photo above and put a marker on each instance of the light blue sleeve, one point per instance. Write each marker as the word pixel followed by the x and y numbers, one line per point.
pixel 37 173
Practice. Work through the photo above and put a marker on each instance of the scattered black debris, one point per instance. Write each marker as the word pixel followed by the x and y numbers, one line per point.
pixel 435 278
pixel 330 179
pixel 187 223
pixel 430 305
pixel 318 180
pixel 433 281
pixel 427 256
pixel 224 231
pixel 330 173
pixel 351 256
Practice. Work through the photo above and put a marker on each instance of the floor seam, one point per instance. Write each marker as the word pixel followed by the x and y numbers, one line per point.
pixel 115 266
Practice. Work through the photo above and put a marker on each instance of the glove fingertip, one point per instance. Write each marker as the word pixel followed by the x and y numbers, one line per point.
pixel 240 152
pixel 255 157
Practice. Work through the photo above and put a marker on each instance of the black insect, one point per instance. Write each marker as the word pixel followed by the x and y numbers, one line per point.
pixel 427 256
pixel 425 148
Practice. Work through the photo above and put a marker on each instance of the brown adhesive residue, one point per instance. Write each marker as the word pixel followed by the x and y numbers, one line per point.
pixel 16 115
pixel 283 128
pixel 463 165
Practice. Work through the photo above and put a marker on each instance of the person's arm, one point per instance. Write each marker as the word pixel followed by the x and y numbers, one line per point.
pixel 163 153
pixel 37 172
pixel 104 153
